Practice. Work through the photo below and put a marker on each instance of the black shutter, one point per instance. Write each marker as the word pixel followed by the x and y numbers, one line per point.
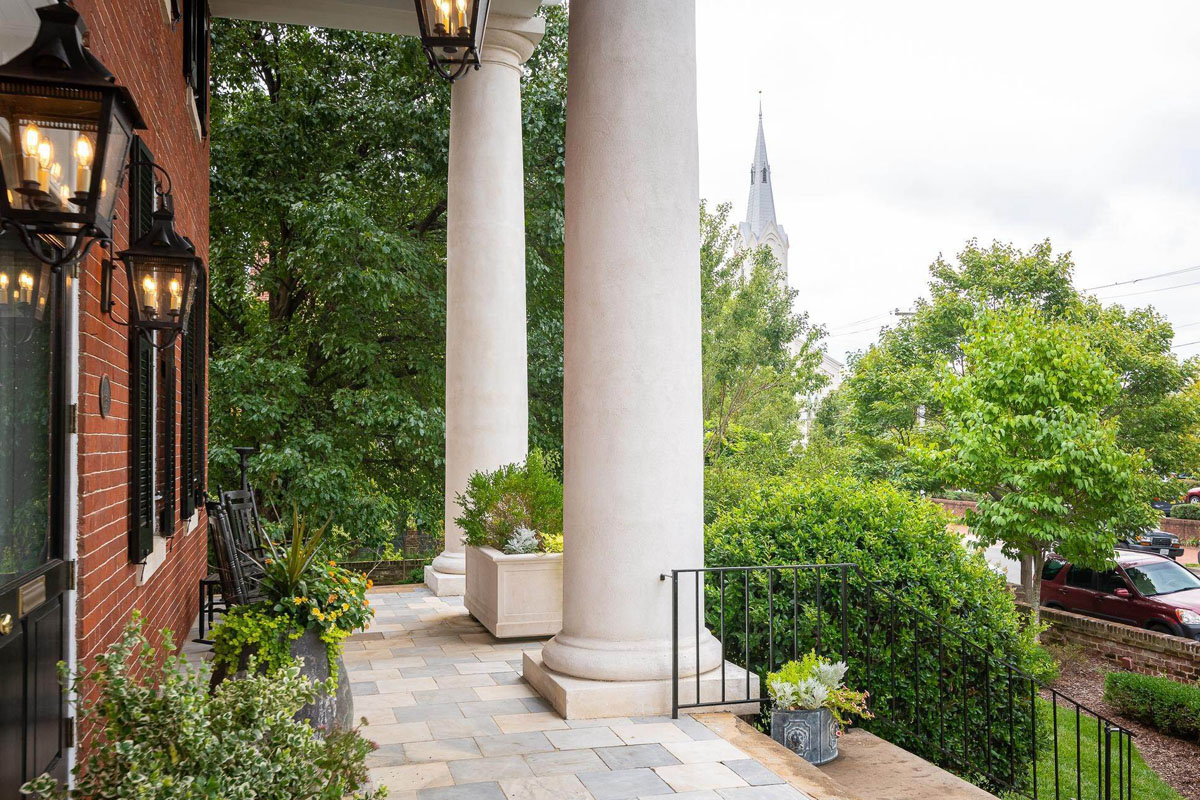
pixel 141 377
pixel 196 35
pixel 141 190
pixel 166 394
pixel 141 534
pixel 198 337
pixel 187 439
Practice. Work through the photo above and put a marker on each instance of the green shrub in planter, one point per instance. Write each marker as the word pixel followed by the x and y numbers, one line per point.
pixel 1186 511
pixel 919 674
pixel 163 735
pixel 1169 706
pixel 518 508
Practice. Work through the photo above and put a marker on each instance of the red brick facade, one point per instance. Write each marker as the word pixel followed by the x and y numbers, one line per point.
pixel 144 51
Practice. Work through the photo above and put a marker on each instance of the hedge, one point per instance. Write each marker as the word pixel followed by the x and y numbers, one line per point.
pixel 927 684
pixel 1167 705
pixel 1186 511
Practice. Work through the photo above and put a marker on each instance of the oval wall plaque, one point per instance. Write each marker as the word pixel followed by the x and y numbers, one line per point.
pixel 105 396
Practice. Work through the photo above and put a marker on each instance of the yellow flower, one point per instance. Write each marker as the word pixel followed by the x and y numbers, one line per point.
pixel 345 606
pixel 299 600
pixel 370 583
pixel 332 563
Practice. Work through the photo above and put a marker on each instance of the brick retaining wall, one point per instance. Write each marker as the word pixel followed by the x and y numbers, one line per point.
pixel 388 573
pixel 1126 647
pixel 956 507
pixel 1185 529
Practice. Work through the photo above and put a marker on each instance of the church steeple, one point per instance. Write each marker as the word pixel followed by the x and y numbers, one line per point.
pixel 760 211
pixel 760 227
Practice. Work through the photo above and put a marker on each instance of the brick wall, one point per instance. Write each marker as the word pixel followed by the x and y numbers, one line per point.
pixel 956 507
pixel 144 51
pixel 1186 529
pixel 1126 647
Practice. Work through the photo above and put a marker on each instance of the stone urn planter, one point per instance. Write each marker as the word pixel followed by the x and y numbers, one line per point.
pixel 515 595
pixel 809 733
pixel 326 712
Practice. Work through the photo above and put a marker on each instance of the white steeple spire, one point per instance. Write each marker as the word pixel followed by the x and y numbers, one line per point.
pixel 760 227
pixel 760 211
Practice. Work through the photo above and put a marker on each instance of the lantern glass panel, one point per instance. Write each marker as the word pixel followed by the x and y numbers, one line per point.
pixel 116 152
pixel 449 19
pixel 24 282
pixel 48 146
pixel 162 290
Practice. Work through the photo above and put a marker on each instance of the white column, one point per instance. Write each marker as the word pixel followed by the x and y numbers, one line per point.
pixel 633 432
pixel 487 387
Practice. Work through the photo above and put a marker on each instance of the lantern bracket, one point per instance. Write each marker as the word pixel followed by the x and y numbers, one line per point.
pixel 84 240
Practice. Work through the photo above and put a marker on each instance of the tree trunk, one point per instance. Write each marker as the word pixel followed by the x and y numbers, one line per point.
pixel 1031 584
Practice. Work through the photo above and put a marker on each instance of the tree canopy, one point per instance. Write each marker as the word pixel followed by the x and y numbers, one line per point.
pixel 889 403
pixel 1025 426
pixel 328 266
pixel 761 356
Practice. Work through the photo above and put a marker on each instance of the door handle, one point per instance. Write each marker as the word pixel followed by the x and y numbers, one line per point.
pixel 6 624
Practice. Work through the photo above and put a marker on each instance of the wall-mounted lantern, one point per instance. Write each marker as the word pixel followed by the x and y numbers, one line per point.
pixel 452 34
pixel 161 268
pixel 65 131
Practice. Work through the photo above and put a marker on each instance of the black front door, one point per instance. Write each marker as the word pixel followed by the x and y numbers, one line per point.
pixel 33 572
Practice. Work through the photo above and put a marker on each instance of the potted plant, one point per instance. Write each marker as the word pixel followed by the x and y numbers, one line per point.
pixel 308 606
pixel 513 520
pixel 811 706
pixel 159 731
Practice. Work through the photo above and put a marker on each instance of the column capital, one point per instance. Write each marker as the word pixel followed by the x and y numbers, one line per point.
pixel 511 40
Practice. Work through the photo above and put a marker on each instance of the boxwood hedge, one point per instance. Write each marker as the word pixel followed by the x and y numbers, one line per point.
pixel 1170 706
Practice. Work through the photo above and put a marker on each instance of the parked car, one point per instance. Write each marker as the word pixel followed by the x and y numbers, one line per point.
pixel 1162 506
pixel 1146 590
pixel 1193 495
pixel 1160 542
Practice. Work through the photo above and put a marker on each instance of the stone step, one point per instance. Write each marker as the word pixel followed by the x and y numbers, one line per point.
pixel 873 768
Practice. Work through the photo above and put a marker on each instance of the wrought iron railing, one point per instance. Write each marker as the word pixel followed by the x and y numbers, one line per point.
pixel 949 694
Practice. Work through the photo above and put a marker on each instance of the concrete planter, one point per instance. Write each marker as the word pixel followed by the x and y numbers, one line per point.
pixel 515 596
pixel 327 712
pixel 810 734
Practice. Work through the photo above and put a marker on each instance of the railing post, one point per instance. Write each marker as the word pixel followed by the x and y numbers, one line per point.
pixel 675 644
pixel 1108 732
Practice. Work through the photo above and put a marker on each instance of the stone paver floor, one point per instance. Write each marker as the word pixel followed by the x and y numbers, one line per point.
pixel 454 720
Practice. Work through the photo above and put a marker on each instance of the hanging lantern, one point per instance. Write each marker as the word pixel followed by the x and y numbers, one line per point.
pixel 65 132
pixel 452 34
pixel 161 267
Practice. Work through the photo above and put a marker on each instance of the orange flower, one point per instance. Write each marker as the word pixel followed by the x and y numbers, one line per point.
pixel 370 583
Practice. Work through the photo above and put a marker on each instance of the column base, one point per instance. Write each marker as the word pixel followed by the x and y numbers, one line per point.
pixel 445 584
pixel 580 698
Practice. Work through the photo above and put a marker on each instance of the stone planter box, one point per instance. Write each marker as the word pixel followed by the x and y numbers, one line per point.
pixel 515 596
pixel 810 734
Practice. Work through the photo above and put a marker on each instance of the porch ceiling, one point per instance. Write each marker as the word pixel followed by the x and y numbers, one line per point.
pixel 375 16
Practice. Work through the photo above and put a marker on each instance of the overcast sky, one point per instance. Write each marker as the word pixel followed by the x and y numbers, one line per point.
pixel 900 130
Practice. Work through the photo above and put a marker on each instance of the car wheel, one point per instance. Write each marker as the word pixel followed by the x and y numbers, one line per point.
pixel 1159 627
pixel 1194 498
pixel 1054 606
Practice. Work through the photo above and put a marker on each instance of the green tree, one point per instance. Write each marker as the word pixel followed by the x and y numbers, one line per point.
pixel 328 267
pixel 889 403
pixel 1025 426
pixel 760 361
pixel 760 355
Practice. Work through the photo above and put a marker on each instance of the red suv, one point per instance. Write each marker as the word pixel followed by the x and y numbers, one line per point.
pixel 1145 590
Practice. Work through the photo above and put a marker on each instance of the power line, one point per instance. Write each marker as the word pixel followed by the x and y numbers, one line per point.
pixel 1185 344
pixel 1143 278
pixel 860 321
pixel 1149 291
